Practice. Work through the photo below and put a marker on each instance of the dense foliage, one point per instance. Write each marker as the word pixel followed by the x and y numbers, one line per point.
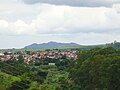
pixel 97 69
pixel 19 75
pixel 38 75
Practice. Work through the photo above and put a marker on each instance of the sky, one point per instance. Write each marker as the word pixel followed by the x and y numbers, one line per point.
pixel 86 22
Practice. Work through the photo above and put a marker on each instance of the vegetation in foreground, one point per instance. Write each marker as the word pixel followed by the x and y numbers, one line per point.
pixel 95 69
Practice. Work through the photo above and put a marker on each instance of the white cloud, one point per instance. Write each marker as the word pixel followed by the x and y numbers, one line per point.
pixel 81 38
pixel 45 22
pixel 65 19
pixel 3 24
pixel 79 3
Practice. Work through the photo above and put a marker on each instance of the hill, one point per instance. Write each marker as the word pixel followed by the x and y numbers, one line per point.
pixel 51 45
pixel 55 45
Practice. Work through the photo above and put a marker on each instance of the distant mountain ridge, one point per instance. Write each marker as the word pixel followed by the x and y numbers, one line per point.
pixel 51 45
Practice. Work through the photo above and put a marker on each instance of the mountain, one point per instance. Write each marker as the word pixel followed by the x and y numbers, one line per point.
pixel 51 45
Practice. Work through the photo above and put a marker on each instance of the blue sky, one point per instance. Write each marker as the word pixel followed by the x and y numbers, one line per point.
pixel 86 22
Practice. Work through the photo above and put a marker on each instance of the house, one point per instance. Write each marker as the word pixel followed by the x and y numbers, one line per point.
pixel 1 54
pixel 51 64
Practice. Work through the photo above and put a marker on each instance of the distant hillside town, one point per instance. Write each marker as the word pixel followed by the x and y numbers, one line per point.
pixel 29 56
pixel 32 56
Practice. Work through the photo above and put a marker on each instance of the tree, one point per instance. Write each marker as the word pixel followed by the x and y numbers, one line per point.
pixel 34 86
pixel 21 59
pixel 23 84
pixel 97 69
pixel 2 88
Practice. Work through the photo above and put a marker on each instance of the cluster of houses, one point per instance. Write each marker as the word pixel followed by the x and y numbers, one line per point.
pixel 5 56
pixel 32 56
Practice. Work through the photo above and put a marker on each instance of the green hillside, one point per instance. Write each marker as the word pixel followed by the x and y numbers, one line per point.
pixel 65 47
pixel 6 80
pixel 84 47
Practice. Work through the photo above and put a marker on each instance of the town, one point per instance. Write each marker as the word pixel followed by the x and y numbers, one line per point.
pixel 32 56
